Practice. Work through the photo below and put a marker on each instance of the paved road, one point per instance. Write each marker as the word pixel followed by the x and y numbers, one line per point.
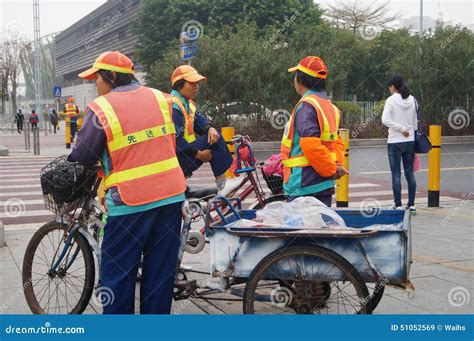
pixel 21 198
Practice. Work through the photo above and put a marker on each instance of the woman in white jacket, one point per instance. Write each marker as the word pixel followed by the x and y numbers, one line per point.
pixel 400 116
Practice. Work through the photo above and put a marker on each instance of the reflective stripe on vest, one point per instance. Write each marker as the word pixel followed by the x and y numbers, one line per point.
pixel 326 134
pixel 122 141
pixel 140 172
pixel 70 109
pixel 188 119
pixel 119 141
pixel 301 161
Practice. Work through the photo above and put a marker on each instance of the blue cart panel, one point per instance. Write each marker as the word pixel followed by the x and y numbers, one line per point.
pixel 382 254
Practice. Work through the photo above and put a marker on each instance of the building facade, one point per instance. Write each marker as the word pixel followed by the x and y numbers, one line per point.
pixel 108 28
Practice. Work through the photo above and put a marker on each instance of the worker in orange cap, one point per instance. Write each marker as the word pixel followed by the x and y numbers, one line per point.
pixel 130 129
pixel 311 148
pixel 71 111
pixel 197 140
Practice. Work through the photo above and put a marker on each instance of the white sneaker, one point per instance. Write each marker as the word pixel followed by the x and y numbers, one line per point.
pixel 412 209
pixel 393 207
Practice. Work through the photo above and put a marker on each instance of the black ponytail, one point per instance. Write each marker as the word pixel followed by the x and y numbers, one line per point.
pixel 399 83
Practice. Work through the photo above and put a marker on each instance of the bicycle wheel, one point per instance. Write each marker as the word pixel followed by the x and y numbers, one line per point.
pixel 273 198
pixel 377 290
pixel 69 288
pixel 305 279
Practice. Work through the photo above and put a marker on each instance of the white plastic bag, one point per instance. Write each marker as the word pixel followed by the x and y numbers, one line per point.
pixel 303 212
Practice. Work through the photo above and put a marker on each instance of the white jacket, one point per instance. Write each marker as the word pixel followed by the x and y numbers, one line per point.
pixel 399 115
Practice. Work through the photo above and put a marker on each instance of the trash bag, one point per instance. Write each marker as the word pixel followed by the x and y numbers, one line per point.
pixel 303 212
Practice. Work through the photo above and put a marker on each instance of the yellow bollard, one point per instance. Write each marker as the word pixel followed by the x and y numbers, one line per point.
pixel 342 184
pixel 434 166
pixel 227 134
pixel 68 132
pixel 79 123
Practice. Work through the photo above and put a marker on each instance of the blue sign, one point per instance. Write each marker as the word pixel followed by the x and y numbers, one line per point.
pixel 57 91
pixel 188 51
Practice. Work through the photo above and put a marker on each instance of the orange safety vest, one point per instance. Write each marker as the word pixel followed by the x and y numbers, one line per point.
pixel 70 110
pixel 328 117
pixel 188 119
pixel 142 145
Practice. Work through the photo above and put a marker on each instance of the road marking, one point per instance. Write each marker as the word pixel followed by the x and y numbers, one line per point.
pixel 443 262
pixel 26 202
pixel 363 184
pixel 20 186
pixel 19 194
pixel 374 193
pixel 421 170
pixel 418 201
pixel 25 214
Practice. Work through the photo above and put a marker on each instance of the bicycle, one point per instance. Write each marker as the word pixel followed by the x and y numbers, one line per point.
pixel 236 190
pixel 61 253
pixel 59 271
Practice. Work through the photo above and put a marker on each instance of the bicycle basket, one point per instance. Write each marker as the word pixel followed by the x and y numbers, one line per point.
pixel 274 183
pixel 66 185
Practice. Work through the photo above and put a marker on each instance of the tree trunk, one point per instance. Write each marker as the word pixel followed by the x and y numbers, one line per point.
pixel 13 95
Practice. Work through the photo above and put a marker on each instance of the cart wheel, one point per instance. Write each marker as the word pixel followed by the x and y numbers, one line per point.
pixel 377 292
pixel 305 280
pixel 196 242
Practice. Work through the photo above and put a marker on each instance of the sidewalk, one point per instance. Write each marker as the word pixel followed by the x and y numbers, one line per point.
pixel 442 269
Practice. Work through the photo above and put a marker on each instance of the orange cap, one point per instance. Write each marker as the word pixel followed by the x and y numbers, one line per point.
pixel 187 73
pixel 71 100
pixel 313 66
pixel 112 61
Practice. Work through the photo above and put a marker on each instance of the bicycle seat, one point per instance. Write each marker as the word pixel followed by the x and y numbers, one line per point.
pixel 200 193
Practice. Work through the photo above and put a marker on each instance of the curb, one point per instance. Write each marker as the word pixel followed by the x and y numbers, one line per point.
pixel 3 151
pixel 275 145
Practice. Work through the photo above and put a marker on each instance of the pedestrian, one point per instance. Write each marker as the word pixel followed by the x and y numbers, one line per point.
pixel 72 111
pixel 34 119
pixel 54 118
pixel 19 118
pixel 196 139
pixel 399 115
pixel 129 129
pixel 312 150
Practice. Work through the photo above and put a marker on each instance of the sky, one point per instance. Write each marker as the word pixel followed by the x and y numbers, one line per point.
pixel 56 16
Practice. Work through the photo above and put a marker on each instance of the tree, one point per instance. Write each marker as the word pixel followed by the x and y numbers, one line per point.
pixel 161 21
pixel 356 14
pixel 12 50
pixel 3 80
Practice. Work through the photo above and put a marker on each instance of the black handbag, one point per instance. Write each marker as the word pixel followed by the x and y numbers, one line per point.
pixel 422 143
